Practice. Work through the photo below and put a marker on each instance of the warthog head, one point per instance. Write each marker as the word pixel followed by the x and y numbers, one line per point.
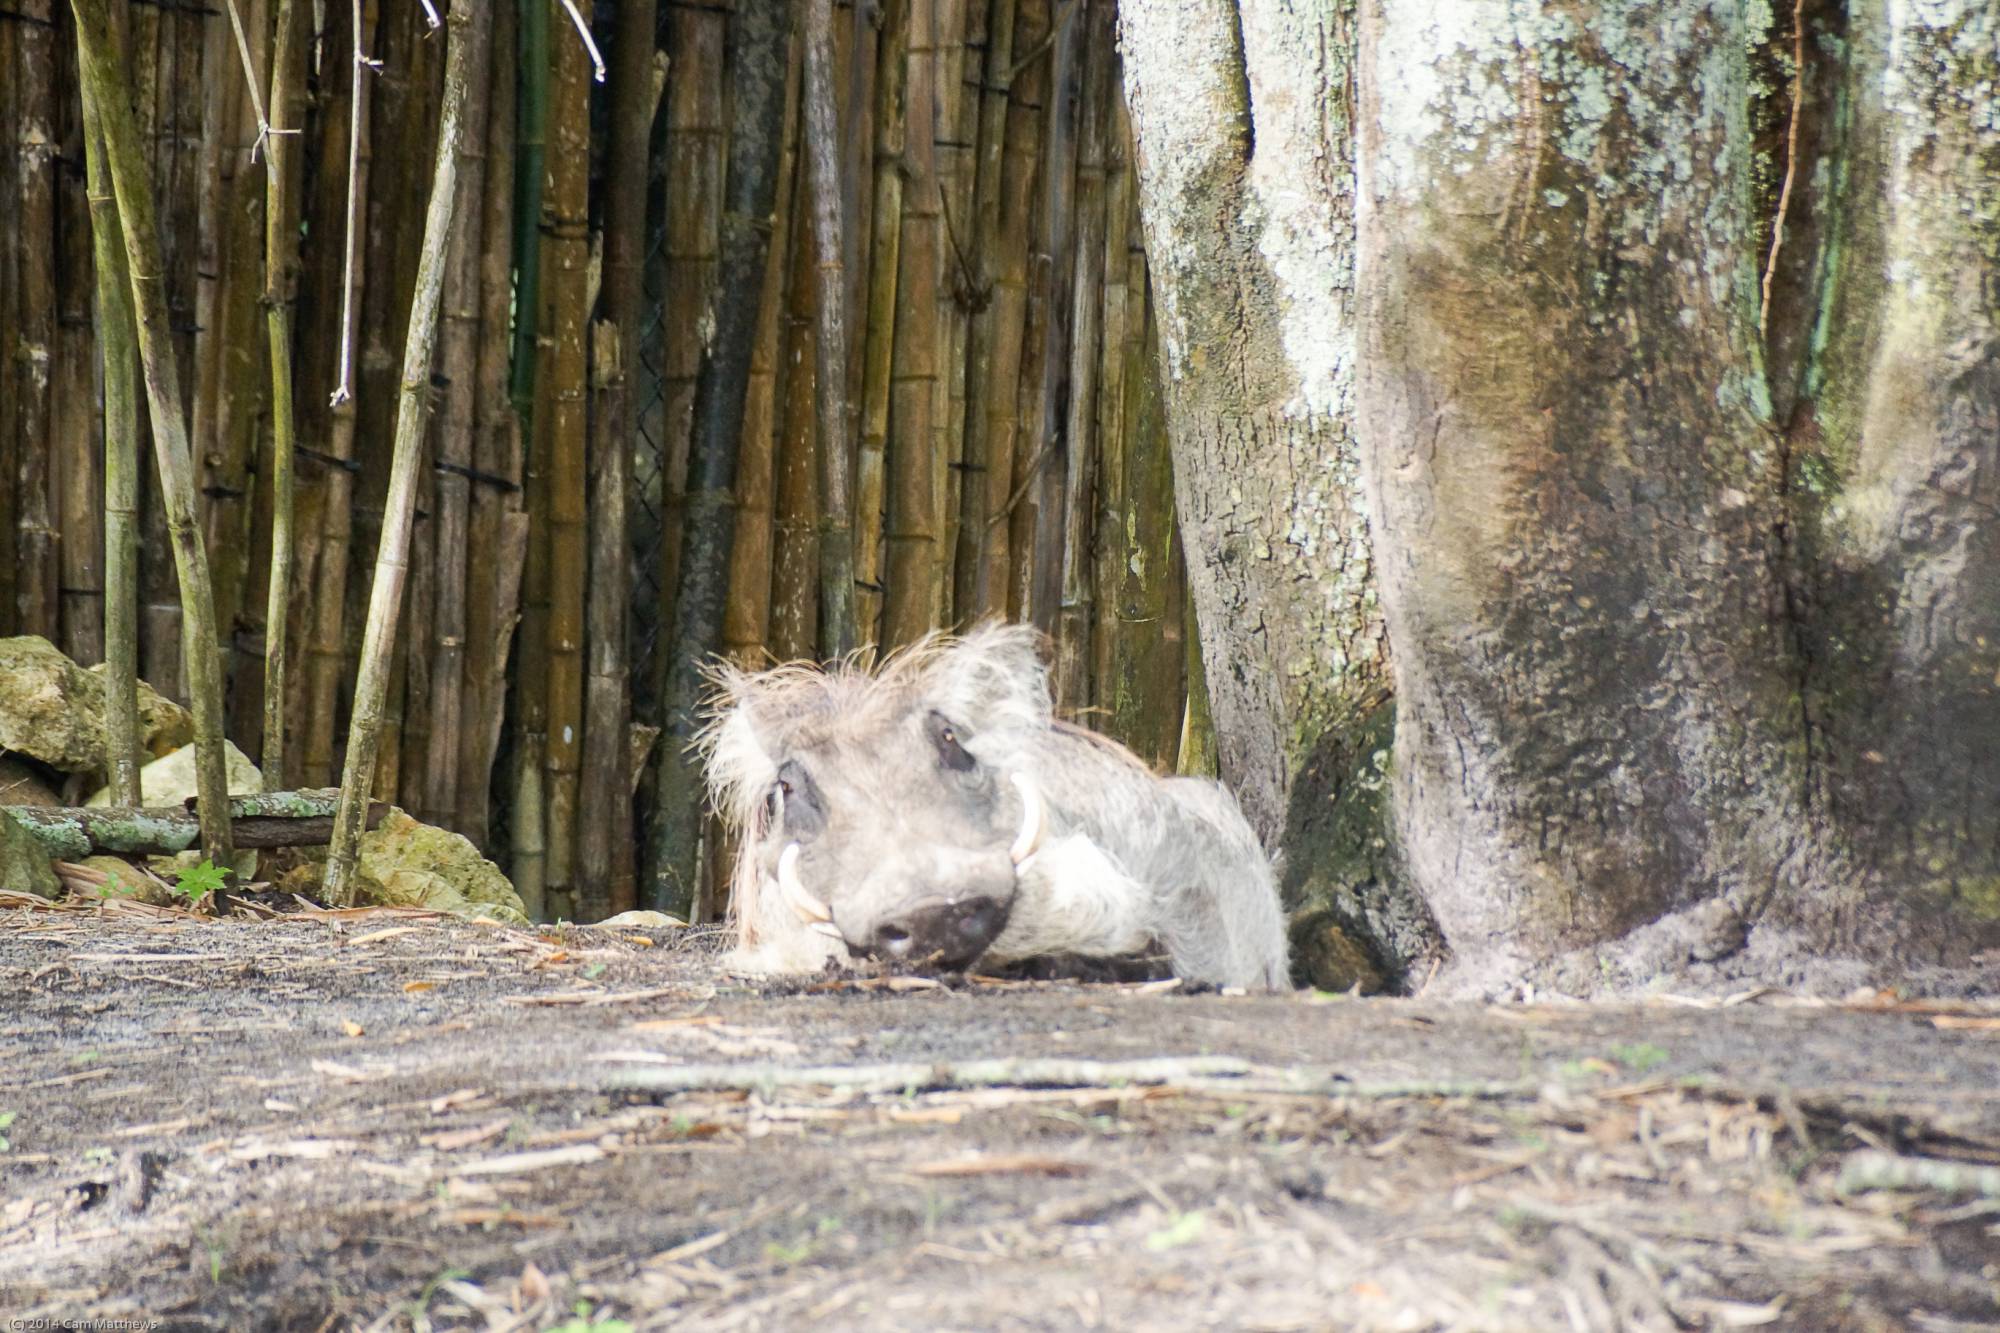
pixel 935 811
pixel 890 813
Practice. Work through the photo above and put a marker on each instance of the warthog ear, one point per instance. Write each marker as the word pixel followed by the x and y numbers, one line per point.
pixel 741 745
pixel 992 680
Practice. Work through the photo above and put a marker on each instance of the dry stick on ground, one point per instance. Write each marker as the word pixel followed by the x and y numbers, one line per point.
pixel 392 562
pixel 822 140
pixel 1220 1074
pixel 718 423
pixel 104 72
pixel 116 336
pixel 281 262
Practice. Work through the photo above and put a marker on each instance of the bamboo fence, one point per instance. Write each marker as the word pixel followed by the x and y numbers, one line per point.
pixel 956 208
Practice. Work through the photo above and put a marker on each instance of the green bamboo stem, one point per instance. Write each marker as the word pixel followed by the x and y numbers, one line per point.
pixel 412 406
pixel 104 73
pixel 531 148
pixel 116 337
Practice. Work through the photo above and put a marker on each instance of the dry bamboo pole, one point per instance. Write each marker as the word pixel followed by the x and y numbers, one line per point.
pixel 497 523
pixel 458 359
pixel 11 244
pixel 879 337
pixel 858 40
pixel 104 71
pixel 822 137
pixel 79 516
pixel 756 132
pixel 1037 534
pixel 605 853
pixel 1111 507
pixel 746 621
pixel 281 277
pixel 348 141
pixel 1075 612
pixel 30 338
pixel 216 95
pixel 954 136
pixel 911 540
pixel 1197 747
pixel 695 140
pixel 529 865
pixel 795 560
pixel 118 339
pixel 402 133
pixel 391 562
pixel 562 399
pixel 973 588
pixel 152 53
pixel 1149 658
pixel 236 384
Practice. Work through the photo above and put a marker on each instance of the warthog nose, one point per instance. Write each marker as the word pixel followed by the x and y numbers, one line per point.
pixel 955 932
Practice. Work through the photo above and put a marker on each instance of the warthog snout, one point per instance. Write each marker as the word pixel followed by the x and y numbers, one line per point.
pixel 953 932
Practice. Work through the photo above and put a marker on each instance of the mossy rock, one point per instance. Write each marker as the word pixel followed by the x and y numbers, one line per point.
pixel 405 863
pixel 52 710
pixel 24 866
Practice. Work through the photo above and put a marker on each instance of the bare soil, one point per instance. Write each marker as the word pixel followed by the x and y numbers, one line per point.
pixel 385 1120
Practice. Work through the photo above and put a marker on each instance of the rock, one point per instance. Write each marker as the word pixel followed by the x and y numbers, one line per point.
pixel 125 880
pixel 408 864
pixel 170 781
pixel 24 866
pixel 21 785
pixel 164 726
pixel 51 709
pixel 653 919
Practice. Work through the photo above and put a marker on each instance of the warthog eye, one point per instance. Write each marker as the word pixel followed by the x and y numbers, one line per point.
pixel 950 753
pixel 793 800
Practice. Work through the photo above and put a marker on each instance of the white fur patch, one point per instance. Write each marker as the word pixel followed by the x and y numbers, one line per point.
pixel 1075 899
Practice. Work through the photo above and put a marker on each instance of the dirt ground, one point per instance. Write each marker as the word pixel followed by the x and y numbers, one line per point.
pixel 385 1121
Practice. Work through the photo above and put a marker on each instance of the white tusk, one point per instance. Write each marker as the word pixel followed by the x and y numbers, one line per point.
pixel 828 929
pixel 1033 824
pixel 797 898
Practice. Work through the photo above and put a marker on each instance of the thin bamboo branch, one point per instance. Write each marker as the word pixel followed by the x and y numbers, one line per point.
pixel 392 561
pixel 29 359
pixel 104 71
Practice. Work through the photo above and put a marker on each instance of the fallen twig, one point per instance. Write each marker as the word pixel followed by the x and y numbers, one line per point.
pixel 1866 1171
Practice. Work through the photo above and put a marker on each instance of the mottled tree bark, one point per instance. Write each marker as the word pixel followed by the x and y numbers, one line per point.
pixel 1243 146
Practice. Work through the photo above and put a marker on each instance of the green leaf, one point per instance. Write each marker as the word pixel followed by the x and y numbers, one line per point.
pixel 195 882
pixel 1184 1228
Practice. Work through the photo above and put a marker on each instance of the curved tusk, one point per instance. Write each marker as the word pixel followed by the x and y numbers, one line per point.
pixel 1034 823
pixel 797 897
pixel 828 929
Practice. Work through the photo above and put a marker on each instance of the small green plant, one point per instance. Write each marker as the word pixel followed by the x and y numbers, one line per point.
pixel 217 1246
pixel 1182 1230
pixel 114 887
pixel 582 1320
pixel 1639 1057
pixel 98 1156
pixel 6 1119
pixel 594 971
pixel 199 881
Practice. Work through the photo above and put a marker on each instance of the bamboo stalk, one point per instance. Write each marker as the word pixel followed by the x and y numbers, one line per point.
pixel 105 74
pixel 795 584
pixel 1111 508
pixel 718 421
pixel 30 338
pixel 11 245
pixel 975 593
pixel 412 404
pixel 281 264
pixel 347 135
pixel 563 397
pixel 458 360
pixel 529 866
pixel 836 536
pixel 117 338
pixel 911 540
pixel 1075 611
pixel 497 522
pixel 878 346
pixel 954 136
pixel 79 460
pixel 695 140
pixel 747 616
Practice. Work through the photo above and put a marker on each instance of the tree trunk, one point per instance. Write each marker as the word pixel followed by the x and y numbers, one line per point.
pixel 1252 265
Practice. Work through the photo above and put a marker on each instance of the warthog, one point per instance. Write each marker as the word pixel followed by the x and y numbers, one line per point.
pixel 935 811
